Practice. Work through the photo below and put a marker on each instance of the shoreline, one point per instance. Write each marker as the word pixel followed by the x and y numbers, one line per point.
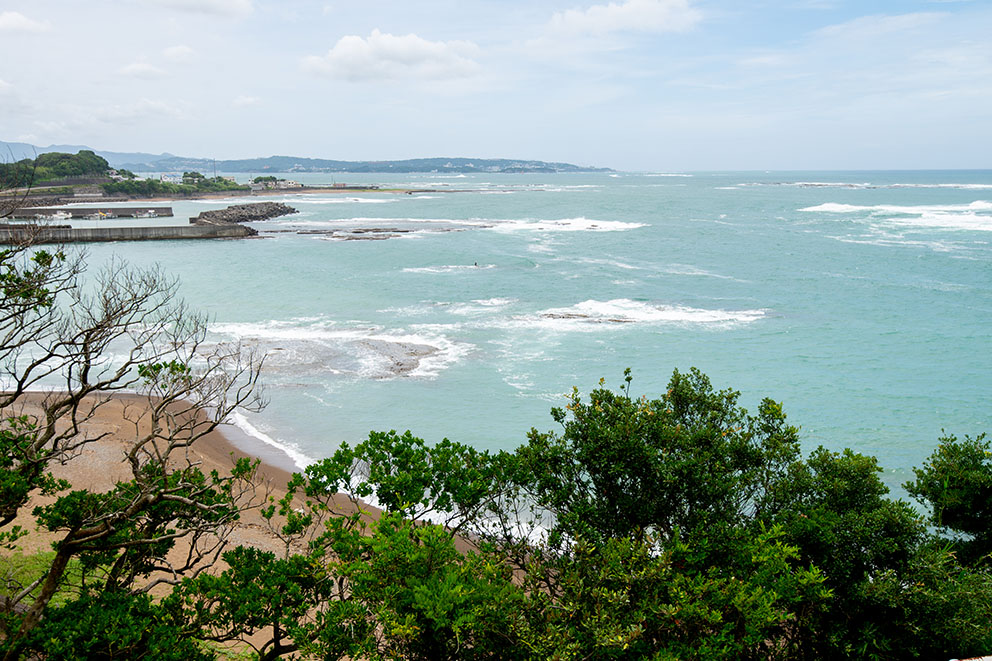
pixel 102 463
pixel 238 194
pixel 116 416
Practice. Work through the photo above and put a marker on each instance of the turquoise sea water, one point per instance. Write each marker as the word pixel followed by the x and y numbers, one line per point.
pixel 861 300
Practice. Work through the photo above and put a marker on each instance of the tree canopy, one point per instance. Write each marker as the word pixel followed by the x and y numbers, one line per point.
pixel 51 165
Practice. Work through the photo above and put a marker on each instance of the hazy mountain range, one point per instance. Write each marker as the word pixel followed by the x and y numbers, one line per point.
pixel 143 162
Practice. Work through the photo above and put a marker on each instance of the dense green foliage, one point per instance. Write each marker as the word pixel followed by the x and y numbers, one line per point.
pixel 957 483
pixel 676 528
pixel 50 166
pixel 190 186
pixel 679 527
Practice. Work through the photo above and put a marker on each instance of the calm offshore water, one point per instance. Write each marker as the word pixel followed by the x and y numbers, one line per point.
pixel 861 300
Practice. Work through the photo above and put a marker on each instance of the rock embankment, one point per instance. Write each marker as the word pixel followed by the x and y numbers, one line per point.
pixel 243 213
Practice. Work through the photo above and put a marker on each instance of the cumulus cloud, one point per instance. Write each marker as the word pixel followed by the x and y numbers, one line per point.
pixel 12 21
pixel 628 16
pixel 235 8
pixel 179 53
pixel 142 69
pixel 386 56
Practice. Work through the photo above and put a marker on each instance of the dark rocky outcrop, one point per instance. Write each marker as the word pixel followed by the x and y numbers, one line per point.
pixel 243 213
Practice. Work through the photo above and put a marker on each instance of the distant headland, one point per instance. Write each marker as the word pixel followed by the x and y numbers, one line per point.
pixel 145 162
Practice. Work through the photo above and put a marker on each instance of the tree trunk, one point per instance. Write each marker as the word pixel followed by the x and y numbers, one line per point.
pixel 33 615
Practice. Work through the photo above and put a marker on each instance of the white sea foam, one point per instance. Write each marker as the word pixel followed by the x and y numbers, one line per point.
pixel 473 308
pixel 607 262
pixel 891 242
pixel 345 200
pixel 495 302
pixel 411 225
pixel 448 268
pixel 289 449
pixel 303 349
pixel 541 247
pixel 476 222
pixel 592 315
pixel 974 216
pixel 832 207
pixel 685 269
pixel 480 307
pixel 569 189
pixel 579 224
pixel 956 186
pixel 947 221
pixel 868 185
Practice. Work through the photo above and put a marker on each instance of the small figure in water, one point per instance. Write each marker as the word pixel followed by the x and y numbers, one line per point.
pixel 477 263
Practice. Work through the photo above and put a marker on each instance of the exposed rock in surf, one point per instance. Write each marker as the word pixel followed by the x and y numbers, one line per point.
pixel 586 317
pixel 243 213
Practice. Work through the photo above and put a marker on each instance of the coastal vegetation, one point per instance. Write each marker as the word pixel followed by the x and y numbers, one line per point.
pixel 194 183
pixel 675 526
pixel 51 166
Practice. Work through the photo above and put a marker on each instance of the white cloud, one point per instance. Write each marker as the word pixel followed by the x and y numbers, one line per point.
pixel 918 65
pixel 5 86
pixel 12 21
pixel 181 53
pixel 142 70
pixel 236 8
pixel 143 109
pixel 628 16
pixel 244 101
pixel 386 56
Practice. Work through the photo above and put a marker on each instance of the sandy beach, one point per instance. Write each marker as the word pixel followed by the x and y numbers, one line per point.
pixel 101 464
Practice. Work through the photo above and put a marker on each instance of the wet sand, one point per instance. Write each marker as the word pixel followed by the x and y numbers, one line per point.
pixel 102 463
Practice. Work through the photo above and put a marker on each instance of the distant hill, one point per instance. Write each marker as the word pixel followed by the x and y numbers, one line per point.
pixel 297 164
pixel 15 151
pixel 142 162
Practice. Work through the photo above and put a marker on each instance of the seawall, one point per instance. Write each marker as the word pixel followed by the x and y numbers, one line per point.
pixel 12 234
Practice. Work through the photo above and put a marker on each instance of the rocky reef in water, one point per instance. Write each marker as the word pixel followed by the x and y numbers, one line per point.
pixel 243 213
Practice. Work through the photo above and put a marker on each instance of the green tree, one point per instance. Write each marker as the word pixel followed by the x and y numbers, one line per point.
pixel 834 508
pixel 626 466
pixel 956 484
pixel 56 325
pixel 371 586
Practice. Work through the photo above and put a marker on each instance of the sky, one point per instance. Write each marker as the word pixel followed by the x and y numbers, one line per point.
pixel 638 85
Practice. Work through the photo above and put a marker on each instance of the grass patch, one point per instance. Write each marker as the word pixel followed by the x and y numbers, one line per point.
pixel 18 570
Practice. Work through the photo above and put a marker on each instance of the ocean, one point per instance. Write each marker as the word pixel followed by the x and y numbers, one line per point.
pixel 860 300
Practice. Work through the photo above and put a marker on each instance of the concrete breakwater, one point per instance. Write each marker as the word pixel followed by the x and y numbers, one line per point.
pixel 21 234
pixel 218 224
